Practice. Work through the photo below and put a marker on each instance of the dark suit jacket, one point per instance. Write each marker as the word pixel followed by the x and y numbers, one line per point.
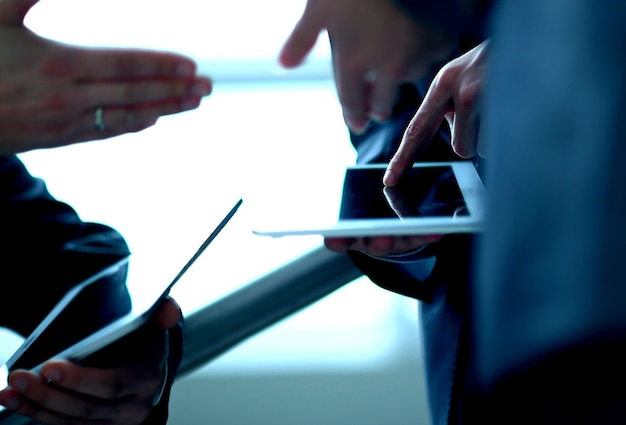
pixel 467 17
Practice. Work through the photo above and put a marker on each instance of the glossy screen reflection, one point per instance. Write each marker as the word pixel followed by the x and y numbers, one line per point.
pixel 87 308
pixel 423 192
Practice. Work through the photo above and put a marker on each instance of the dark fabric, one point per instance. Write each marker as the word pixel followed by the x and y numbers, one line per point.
pixel 578 385
pixel 551 322
pixel 468 17
pixel 46 249
pixel 552 267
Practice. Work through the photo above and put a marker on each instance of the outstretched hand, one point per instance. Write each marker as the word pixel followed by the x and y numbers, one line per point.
pixel 375 48
pixel 380 246
pixel 455 94
pixel 53 94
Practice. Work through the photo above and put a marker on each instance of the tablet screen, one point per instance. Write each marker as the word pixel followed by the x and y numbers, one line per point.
pixel 423 192
pixel 431 199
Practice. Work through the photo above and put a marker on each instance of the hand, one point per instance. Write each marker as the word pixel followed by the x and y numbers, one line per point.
pixel 50 92
pixel 122 394
pixel 455 95
pixel 383 246
pixel 380 246
pixel 375 48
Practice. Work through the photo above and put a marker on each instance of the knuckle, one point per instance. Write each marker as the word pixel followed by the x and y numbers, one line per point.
pixel 444 82
pixel 412 130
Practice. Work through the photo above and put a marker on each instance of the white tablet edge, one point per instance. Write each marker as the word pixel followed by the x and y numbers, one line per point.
pixel 470 185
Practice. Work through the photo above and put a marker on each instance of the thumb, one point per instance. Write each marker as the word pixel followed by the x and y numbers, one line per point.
pixel 168 314
pixel 301 40
pixel 12 12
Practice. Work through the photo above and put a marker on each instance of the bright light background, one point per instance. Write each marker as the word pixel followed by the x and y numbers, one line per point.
pixel 265 135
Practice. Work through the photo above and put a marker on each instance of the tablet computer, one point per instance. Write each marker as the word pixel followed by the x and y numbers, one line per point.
pixel 432 198
pixel 116 306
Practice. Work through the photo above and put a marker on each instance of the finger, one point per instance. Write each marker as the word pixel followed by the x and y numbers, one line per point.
pixel 411 243
pixel 36 398
pixel 340 245
pixel 450 120
pixel 383 96
pixel 417 241
pixel 464 129
pixel 396 202
pixel 302 39
pixel 56 407
pixel 17 403
pixel 168 314
pixel 119 64
pixel 138 92
pixel 74 98
pixel 464 135
pixel 139 381
pixel 12 12
pixel 378 246
pixel 381 246
pixel 419 132
pixel 352 91
pixel 116 121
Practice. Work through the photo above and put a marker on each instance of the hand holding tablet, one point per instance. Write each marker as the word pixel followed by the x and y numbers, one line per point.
pixel 116 308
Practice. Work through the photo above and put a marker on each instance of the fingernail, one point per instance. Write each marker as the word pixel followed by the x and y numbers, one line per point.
pixel 389 178
pixel 358 127
pixel 201 89
pixel 189 103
